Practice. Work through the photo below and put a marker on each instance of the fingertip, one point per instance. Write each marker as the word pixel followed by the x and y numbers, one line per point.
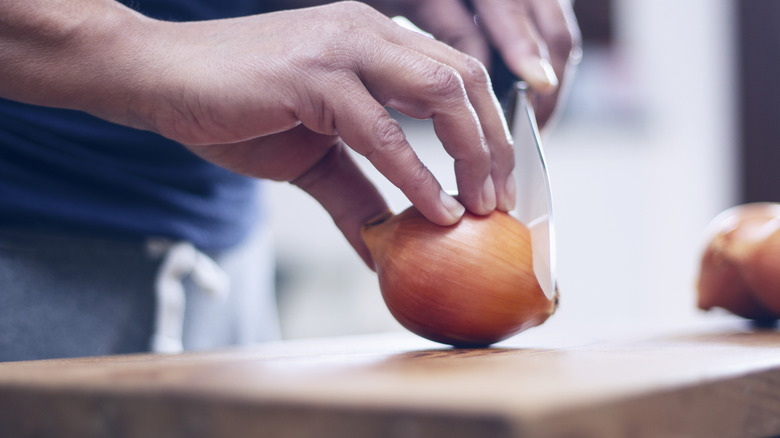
pixel 481 201
pixel 540 75
pixel 549 73
pixel 454 209
pixel 489 198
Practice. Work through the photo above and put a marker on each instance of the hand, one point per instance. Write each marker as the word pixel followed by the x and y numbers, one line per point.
pixel 538 40
pixel 278 96
pixel 318 164
pixel 275 96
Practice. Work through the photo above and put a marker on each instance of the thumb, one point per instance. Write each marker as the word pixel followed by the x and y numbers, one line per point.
pixel 347 195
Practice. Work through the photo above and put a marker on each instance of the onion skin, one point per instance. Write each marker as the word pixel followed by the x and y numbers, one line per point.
pixel 721 285
pixel 740 267
pixel 468 285
pixel 761 266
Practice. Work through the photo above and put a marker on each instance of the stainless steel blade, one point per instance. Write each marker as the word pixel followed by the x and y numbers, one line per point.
pixel 534 199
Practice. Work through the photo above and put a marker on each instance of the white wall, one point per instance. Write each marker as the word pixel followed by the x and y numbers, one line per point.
pixel 641 160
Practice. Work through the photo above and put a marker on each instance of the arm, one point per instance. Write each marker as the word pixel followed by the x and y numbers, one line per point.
pixel 273 96
pixel 80 54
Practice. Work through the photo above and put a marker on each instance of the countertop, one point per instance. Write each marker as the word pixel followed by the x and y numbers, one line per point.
pixel 716 380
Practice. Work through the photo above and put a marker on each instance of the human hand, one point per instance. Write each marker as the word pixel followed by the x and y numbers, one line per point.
pixel 274 96
pixel 317 163
pixel 278 96
pixel 538 40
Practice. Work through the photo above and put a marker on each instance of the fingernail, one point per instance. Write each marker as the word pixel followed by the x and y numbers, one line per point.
pixel 488 195
pixel 549 72
pixel 455 208
pixel 543 76
pixel 509 196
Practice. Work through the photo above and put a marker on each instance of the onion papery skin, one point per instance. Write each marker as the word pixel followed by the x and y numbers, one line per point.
pixel 721 285
pixel 761 268
pixel 740 266
pixel 468 285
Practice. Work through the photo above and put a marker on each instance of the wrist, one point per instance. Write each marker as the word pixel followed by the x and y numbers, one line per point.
pixel 88 56
pixel 119 70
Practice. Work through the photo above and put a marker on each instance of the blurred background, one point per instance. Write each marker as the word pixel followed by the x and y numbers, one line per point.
pixel 650 147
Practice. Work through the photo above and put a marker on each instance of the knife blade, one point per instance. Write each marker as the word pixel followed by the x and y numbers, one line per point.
pixel 534 198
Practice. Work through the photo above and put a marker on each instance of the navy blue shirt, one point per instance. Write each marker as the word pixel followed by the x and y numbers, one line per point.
pixel 66 170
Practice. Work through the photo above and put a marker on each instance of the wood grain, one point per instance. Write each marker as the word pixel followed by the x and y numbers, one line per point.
pixel 717 382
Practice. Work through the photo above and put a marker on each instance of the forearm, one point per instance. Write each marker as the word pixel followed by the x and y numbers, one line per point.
pixel 76 54
pixel 271 95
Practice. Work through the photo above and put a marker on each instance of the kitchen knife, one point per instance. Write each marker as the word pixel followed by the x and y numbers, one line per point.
pixel 534 200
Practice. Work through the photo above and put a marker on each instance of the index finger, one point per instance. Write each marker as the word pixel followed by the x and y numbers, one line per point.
pixel 473 77
pixel 366 127
pixel 423 87
pixel 347 195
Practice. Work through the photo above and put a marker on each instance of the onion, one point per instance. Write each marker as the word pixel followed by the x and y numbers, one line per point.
pixel 740 267
pixel 469 284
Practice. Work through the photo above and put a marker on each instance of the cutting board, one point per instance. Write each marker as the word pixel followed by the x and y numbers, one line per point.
pixel 716 381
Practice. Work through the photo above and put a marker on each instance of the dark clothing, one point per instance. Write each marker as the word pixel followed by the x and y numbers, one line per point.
pixel 69 171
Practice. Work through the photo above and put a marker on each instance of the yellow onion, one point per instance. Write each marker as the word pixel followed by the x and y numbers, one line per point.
pixel 470 284
pixel 740 267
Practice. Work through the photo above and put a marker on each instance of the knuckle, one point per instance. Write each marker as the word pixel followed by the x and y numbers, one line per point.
pixel 352 5
pixel 444 81
pixel 412 176
pixel 327 55
pixel 358 11
pixel 389 134
pixel 388 140
pixel 417 180
pixel 474 72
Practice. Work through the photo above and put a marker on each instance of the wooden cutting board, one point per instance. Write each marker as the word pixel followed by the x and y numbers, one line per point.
pixel 720 381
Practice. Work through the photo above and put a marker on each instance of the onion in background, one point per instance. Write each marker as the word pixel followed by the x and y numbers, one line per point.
pixel 740 267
